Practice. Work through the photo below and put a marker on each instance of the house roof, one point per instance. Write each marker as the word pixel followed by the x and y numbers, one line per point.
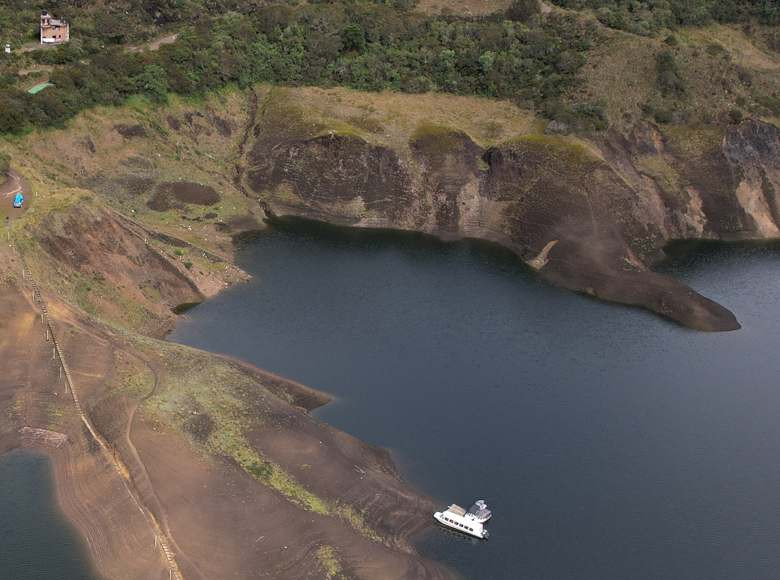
pixel 39 87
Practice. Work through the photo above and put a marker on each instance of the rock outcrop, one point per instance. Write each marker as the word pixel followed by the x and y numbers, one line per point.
pixel 117 269
pixel 591 216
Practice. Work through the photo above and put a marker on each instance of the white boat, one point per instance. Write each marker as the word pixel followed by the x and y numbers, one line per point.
pixel 456 518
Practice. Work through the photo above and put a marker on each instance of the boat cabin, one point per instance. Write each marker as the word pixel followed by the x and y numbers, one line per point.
pixel 457 518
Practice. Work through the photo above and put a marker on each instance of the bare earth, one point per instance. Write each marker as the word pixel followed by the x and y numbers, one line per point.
pixel 219 521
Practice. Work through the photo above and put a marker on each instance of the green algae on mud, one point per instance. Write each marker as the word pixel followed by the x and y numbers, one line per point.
pixel 218 404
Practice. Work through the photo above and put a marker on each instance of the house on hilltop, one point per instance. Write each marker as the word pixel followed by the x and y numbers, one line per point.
pixel 54 30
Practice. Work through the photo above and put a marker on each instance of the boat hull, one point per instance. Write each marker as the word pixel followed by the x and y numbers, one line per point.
pixel 452 522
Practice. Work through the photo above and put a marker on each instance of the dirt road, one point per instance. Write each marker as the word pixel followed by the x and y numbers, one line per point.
pixel 12 185
pixel 154 44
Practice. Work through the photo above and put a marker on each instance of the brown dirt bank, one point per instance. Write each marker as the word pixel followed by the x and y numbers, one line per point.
pixel 33 394
pixel 243 481
pixel 228 525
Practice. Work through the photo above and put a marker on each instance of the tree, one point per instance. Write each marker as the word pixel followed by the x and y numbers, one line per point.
pixel 523 10
pixel 153 82
pixel 353 38
pixel 13 114
pixel 669 80
pixel 5 163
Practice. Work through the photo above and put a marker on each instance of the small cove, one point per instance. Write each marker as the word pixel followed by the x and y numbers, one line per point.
pixel 610 443
pixel 37 543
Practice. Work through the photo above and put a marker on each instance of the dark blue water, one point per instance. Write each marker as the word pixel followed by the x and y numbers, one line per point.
pixel 36 542
pixel 611 444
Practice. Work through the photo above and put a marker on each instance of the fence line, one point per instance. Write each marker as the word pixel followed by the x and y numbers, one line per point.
pixel 160 538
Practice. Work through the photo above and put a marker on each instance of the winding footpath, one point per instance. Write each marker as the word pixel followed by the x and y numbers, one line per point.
pixel 144 474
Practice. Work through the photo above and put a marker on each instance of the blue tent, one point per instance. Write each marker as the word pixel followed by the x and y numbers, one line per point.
pixel 18 200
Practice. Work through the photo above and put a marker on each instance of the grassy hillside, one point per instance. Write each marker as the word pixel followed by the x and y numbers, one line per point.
pixel 649 17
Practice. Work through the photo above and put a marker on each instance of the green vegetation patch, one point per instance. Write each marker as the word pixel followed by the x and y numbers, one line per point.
pixel 566 151
pixel 217 405
pixel 195 384
pixel 432 139
pixel 692 142
pixel 328 558
pixel 655 166
pixel 284 120
pixel 648 17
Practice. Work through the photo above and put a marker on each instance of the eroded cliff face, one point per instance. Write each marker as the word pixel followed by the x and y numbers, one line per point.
pixel 118 270
pixel 591 216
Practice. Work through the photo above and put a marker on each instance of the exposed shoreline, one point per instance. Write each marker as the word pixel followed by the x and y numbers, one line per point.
pixel 81 477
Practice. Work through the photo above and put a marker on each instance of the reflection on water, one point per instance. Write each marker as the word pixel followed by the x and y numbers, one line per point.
pixel 610 444
pixel 36 543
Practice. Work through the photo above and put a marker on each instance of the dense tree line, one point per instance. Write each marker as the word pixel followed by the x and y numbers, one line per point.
pixel 110 21
pixel 649 16
pixel 365 45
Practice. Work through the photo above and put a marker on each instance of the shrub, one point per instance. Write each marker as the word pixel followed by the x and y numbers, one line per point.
pixel 735 116
pixel 650 16
pixel 772 103
pixel 523 10
pixel 353 38
pixel 580 116
pixel 669 79
pixel 153 82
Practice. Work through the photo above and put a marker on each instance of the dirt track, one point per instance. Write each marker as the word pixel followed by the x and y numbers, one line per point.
pixel 154 44
pixel 33 394
pixel 12 184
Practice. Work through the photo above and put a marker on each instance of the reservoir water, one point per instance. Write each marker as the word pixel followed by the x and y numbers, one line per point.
pixel 610 444
pixel 36 542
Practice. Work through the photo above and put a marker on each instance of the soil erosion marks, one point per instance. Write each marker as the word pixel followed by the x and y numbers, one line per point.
pixel 604 209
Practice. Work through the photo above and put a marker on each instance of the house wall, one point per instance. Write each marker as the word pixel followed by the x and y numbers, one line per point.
pixel 54 31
